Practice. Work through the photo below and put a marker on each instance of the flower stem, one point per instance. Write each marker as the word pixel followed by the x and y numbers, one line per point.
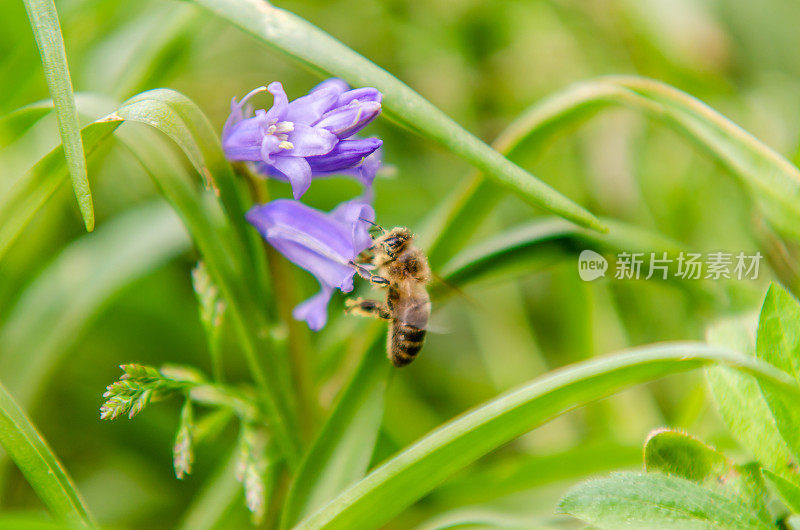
pixel 298 343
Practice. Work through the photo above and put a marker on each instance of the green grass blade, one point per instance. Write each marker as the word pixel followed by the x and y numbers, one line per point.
pixel 46 29
pixel 178 118
pixel 36 461
pixel 30 192
pixel 314 48
pixel 415 471
pixel 342 450
pixel 539 243
pixel 653 500
pixel 452 224
pixel 773 179
pixel 65 296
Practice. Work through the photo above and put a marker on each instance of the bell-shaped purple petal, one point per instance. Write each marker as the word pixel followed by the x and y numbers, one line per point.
pixel 280 103
pixel 297 171
pixel 322 243
pixel 346 154
pixel 310 108
pixel 297 140
pixel 364 95
pixel 314 311
pixel 347 120
pixel 310 141
pixel 334 83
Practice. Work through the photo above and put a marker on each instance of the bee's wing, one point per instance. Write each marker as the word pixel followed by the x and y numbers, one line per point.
pixel 443 286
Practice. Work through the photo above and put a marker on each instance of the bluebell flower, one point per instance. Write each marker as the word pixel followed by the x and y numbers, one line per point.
pixel 322 243
pixel 297 140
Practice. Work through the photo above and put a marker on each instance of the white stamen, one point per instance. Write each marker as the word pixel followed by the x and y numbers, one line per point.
pixel 285 145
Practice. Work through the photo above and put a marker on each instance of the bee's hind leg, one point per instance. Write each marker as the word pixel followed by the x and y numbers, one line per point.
pixel 367 308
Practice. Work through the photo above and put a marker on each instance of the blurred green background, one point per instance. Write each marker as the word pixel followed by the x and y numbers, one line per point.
pixel 483 63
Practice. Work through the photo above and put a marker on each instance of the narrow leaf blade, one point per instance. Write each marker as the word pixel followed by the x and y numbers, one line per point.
pixel 47 31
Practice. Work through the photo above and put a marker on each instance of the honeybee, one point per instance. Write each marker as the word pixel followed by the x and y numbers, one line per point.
pixel 402 269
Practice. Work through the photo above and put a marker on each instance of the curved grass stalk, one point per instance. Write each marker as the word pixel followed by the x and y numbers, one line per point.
pixel 772 178
pixel 46 29
pixel 39 465
pixel 230 276
pixel 316 49
pixel 418 469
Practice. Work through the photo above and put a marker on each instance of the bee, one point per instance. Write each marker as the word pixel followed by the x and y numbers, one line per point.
pixel 402 269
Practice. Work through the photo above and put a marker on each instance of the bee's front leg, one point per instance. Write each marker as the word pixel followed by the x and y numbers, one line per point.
pixel 379 281
pixel 367 308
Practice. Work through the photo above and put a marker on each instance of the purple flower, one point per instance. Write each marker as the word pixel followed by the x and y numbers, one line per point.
pixel 322 243
pixel 296 140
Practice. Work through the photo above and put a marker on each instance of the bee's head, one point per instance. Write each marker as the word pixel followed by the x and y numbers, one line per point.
pixel 397 240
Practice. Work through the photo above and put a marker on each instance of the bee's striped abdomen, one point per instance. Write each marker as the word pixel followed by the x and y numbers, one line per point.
pixel 405 341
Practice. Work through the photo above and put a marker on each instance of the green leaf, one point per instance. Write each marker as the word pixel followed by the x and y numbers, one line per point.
pixel 46 29
pixel 742 405
pixel 778 343
pixel 66 296
pixel 343 448
pixel 26 447
pixel 650 501
pixel 314 48
pixel 418 469
pixel 679 454
pixel 19 204
pixel 789 492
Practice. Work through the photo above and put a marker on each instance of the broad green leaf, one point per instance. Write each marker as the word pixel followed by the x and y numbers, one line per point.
pixel 66 296
pixel 778 343
pixel 314 48
pixel 741 403
pixel 415 471
pixel 47 31
pixel 679 454
pixel 789 492
pixel 30 192
pixel 653 500
pixel 34 458
pixel 343 448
